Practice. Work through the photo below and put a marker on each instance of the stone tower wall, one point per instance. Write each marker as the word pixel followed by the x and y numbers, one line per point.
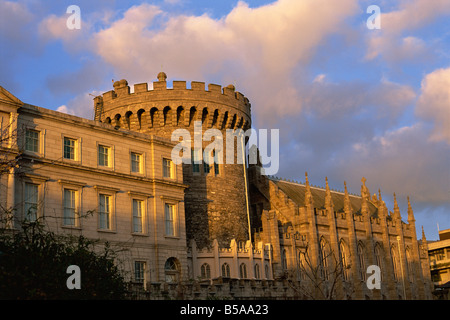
pixel 215 205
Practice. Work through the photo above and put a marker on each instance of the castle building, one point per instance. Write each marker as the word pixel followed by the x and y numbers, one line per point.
pixel 113 178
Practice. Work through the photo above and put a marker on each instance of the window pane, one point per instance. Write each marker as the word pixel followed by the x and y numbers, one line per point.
pixel 104 211
pixel 135 162
pixel 31 201
pixel 206 167
pixel 32 140
pixel 169 213
pixel 195 164
pixel 139 269
pixel 69 207
pixel 167 168
pixel 216 163
pixel 137 215
pixel 69 149
pixel 103 156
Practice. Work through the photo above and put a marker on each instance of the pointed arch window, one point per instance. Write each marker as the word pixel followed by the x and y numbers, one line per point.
pixel 243 271
pixel 226 270
pixel 266 271
pixel 323 259
pixel 343 253
pixel 362 265
pixel 302 265
pixel 257 271
pixel 172 270
pixel 409 265
pixel 395 263
pixel 378 259
pixel 205 271
pixel 284 260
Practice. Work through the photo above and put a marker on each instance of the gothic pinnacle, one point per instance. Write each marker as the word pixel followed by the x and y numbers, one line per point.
pixel 328 199
pixel 396 208
pixel 410 212
pixel 308 195
pixel 347 205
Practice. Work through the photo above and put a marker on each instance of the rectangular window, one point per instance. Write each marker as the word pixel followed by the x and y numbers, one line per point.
pixel 32 140
pixel 69 207
pixel 213 163
pixel 139 271
pixel 136 162
pixel 103 156
pixel 31 201
pixel 105 211
pixel 137 215
pixel 195 159
pixel 170 219
pixel 440 254
pixel 69 148
pixel 167 168
pixel 206 167
pixel 216 163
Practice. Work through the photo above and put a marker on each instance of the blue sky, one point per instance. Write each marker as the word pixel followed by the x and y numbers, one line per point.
pixel 349 101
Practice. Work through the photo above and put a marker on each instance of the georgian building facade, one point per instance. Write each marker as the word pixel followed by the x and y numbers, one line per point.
pixel 82 177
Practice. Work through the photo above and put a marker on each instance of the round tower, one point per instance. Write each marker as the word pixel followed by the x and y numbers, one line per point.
pixel 215 201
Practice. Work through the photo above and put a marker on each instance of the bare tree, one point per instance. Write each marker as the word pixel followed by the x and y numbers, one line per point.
pixel 9 154
pixel 318 280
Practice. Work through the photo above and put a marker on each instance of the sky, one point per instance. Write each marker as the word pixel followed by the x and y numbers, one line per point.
pixel 349 100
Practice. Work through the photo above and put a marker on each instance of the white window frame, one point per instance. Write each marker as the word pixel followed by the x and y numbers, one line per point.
pixel 73 207
pixel 111 193
pixel 77 187
pixel 138 216
pixel 105 213
pixel 171 168
pixel 141 162
pixel 110 156
pixel 142 272
pixel 76 151
pixel 41 140
pixel 40 181
pixel 174 222
pixel 26 202
pixel 143 197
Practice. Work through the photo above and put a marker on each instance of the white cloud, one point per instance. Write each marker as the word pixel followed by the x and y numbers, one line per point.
pixel 394 41
pixel 434 103
pixel 320 78
pixel 402 161
pixel 81 105
pixel 384 99
pixel 259 46
pixel 64 109
pixel 413 14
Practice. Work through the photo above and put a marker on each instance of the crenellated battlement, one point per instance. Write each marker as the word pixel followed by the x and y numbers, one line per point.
pixel 177 106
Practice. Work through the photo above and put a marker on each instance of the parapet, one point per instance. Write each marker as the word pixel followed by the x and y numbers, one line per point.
pixel 160 96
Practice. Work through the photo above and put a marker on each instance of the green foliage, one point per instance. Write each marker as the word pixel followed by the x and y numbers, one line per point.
pixel 33 265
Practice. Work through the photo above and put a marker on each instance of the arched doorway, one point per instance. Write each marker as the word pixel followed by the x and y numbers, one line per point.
pixel 172 270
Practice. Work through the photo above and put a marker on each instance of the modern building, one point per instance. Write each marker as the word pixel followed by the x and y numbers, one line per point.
pixel 439 254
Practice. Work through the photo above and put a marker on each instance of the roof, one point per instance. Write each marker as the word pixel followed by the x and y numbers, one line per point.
pixel 8 97
pixel 296 192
